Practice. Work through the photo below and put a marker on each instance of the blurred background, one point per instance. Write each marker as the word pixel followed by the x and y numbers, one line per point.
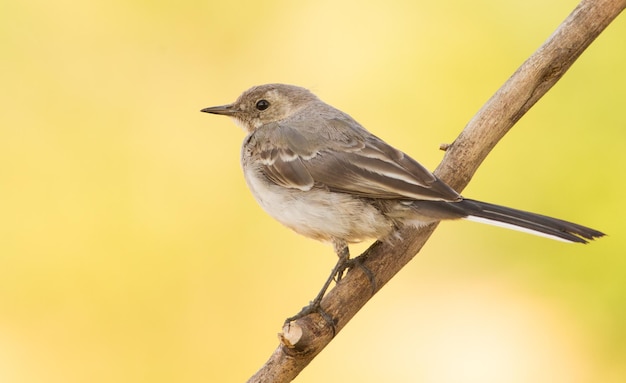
pixel 132 251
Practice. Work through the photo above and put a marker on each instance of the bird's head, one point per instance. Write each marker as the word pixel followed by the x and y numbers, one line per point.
pixel 264 104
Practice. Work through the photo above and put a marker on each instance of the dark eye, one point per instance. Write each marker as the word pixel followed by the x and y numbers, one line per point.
pixel 262 104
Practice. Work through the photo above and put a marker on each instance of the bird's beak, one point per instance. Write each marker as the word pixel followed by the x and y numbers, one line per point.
pixel 226 110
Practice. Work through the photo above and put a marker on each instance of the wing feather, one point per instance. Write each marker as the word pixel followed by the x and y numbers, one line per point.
pixel 346 159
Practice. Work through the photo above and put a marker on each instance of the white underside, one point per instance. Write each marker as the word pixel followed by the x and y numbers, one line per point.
pixel 513 227
pixel 319 214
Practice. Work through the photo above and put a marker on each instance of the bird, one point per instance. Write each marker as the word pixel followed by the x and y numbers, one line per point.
pixel 319 172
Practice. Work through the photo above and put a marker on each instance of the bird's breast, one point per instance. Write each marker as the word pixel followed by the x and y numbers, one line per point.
pixel 318 213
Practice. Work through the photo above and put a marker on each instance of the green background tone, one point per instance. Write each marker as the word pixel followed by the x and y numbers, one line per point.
pixel 132 251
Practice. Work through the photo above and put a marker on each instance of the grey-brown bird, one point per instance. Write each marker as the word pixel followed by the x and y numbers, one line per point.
pixel 319 172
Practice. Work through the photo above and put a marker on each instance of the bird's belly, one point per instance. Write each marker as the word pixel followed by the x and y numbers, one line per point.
pixel 318 213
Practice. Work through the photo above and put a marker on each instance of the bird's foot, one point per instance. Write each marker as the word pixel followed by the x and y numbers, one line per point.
pixel 359 262
pixel 313 307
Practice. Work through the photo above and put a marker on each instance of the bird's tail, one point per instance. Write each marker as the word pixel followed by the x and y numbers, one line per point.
pixel 527 222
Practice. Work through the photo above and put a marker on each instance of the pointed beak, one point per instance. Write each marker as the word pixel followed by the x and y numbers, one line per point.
pixel 225 110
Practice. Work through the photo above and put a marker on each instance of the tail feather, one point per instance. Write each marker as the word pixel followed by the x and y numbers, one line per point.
pixel 529 222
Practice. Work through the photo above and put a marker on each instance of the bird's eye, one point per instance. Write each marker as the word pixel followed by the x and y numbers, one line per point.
pixel 262 104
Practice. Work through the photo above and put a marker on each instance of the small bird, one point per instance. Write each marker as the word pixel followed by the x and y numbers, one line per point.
pixel 319 172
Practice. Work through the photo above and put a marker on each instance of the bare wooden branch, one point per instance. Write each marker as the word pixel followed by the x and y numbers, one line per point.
pixel 303 339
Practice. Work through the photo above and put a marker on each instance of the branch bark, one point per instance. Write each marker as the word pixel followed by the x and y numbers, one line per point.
pixel 303 339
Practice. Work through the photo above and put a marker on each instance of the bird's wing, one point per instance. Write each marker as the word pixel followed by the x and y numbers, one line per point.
pixel 343 157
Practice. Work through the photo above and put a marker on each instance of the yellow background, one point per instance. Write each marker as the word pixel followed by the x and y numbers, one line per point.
pixel 132 251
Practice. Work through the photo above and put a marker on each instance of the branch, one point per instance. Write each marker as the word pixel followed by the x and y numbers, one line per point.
pixel 303 339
